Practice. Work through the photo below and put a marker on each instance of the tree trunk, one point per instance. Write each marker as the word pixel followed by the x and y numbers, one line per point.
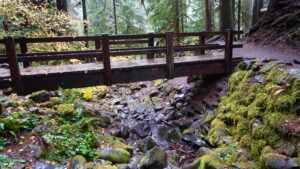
pixel 226 15
pixel 208 16
pixel 115 17
pixel 176 21
pixel 85 23
pixel 62 5
pixel 239 8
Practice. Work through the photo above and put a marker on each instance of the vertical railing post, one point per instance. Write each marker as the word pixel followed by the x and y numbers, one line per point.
pixel 170 54
pixel 228 50
pixel 10 48
pixel 150 55
pixel 202 42
pixel 106 59
pixel 98 48
pixel 24 49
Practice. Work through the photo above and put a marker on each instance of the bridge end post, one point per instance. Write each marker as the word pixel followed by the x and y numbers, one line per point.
pixel 106 59
pixel 24 49
pixel 15 75
pixel 98 48
pixel 202 42
pixel 228 50
pixel 170 54
pixel 150 55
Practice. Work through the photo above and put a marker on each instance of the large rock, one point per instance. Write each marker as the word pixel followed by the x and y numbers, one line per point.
pixel 43 165
pixel 278 161
pixel 194 140
pixel 155 159
pixel 115 155
pixel 165 135
pixel 142 129
pixel 77 162
pixel 41 96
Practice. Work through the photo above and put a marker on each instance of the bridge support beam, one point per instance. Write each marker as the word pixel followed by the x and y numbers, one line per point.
pixel 170 54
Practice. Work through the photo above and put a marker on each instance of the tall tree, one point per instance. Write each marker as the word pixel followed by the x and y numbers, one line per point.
pixel 208 25
pixel 62 5
pixel 176 21
pixel 85 21
pixel 115 17
pixel 226 14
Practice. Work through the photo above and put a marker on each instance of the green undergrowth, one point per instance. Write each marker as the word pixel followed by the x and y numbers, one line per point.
pixel 261 98
pixel 65 126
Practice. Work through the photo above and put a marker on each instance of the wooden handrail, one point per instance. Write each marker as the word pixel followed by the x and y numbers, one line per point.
pixel 103 52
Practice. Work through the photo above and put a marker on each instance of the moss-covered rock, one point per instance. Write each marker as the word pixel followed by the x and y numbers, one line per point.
pixel 66 109
pixel 53 101
pixel 77 162
pixel 115 155
pixel 208 161
pixel 98 166
pixel 155 158
pixel 259 110
pixel 119 145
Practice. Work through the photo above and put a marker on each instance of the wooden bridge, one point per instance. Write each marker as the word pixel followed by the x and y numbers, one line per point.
pixel 28 79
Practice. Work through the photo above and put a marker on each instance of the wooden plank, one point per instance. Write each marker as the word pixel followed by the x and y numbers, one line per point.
pixel 60 39
pixel 10 48
pixel 228 51
pixel 127 42
pixel 137 36
pixel 106 59
pixel 202 42
pixel 125 74
pixel 150 55
pixel 59 57
pixel 24 49
pixel 169 54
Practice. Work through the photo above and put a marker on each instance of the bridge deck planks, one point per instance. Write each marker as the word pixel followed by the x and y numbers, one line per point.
pixel 91 74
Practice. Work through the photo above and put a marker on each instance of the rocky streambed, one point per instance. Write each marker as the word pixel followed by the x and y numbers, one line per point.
pixel 204 124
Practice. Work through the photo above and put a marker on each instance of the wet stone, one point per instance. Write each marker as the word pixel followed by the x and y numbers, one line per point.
pixel 154 94
pixel 165 135
pixel 142 129
pixel 140 109
pixel 42 165
pixel 155 159
pixel 194 140
pixel 296 61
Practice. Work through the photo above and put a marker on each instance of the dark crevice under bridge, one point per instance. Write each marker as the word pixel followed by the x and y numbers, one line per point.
pixel 28 79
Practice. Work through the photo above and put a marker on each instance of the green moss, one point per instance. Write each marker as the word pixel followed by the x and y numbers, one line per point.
pixel 53 102
pixel 119 145
pixel 256 147
pixel 188 131
pixel 115 155
pixel 208 161
pixel 27 103
pixel 218 131
pixel 245 141
pixel 66 109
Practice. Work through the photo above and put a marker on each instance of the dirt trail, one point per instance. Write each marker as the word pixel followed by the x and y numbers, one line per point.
pixel 280 52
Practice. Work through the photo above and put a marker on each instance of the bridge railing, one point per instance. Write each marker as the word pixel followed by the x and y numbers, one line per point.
pixel 103 50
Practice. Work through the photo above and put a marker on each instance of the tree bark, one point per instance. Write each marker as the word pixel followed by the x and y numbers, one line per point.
pixel 62 5
pixel 176 16
pixel 115 17
pixel 226 15
pixel 85 19
pixel 208 16
pixel 239 8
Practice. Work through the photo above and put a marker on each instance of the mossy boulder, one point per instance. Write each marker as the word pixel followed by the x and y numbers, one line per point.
pixel 258 111
pixel 119 145
pixel 155 158
pixel 98 166
pixel 277 161
pixel 77 162
pixel 66 109
pixel 208 161
pixel 53 101
pixel 115 155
